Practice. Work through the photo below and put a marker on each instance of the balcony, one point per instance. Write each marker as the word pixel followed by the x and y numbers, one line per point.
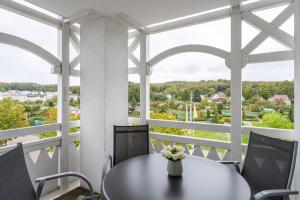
pixel 99 39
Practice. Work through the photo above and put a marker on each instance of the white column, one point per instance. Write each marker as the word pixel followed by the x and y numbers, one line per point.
pixel 297 88
pixel 104 91
pixel 144 79
pixel 236 84
pixel 63 101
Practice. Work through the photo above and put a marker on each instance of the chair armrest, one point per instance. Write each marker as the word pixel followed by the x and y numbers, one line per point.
pixel 236 164
pixel 274 193
pixel 42 180
pixel 108 158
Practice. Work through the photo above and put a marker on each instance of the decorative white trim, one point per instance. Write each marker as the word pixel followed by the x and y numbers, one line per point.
pixel 75 41
pixel 134 60
pixel 276 33
pixel 190 140
pixel 74 123
pixel 271 57
pixel 12 133
pixel 75 62
pixel 271 132
pixel 278 21
pixel 191 125
pixel 133 70
pixel 134 45
pixel 36 145
pixel 188 48
pixel 74 72
pixel 31 47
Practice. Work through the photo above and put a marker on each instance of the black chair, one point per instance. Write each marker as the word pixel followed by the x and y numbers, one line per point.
pixel 269 167
pixel 15 183
pixel 129 141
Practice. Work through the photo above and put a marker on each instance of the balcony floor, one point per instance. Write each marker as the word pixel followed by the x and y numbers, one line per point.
pixel 74 194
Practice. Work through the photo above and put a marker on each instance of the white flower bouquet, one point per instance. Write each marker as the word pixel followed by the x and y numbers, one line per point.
pixel 173 153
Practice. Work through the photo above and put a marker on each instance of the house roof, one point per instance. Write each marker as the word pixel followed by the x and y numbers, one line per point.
pixel 143 11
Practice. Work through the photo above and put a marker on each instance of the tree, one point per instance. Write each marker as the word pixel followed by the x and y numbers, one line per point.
pixel 159 129
pixel 186 96
pixel 266 93
pixel 208 114
pixel 276 120
pixel 51 117
pixel 12 115
pixel 247 92
pixel 197 95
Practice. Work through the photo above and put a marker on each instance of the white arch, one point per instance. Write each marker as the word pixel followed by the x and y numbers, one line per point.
pixel 188 48
pixel 31 47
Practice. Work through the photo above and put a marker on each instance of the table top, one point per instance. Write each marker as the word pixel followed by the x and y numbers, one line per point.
pixel 146 178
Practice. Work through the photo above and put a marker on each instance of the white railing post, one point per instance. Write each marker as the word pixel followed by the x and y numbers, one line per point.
pixel 297 87
pixel 63 101
pixel 236 83
pixel 144 79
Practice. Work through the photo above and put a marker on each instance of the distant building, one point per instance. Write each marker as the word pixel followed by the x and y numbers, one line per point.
pixel 75 97
pixel 281 99
pixel 219 96
pixel 27 95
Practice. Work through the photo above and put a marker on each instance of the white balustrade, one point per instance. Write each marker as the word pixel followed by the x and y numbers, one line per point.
pixel 40 160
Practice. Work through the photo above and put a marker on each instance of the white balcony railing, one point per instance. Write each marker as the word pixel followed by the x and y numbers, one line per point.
pixel 40 161
pixel 211 149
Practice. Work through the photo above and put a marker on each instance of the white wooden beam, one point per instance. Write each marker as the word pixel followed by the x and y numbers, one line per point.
pixel 75 62
pixel 134 45
pixel 276 33
pixel 75 41
pixel 278 21
pixel 31 47
pixel 129 22
pixel 55 70
pixel 262 4
pixel 271 132
pixel 297 89
pixel 133 70
pixel 13 133
pixel 133 34
pixel 35 145
pixel 63 101
pixel 134 60
pixel 74 72
pixel 144 79
pixel 235 3
pixel 30 13
pixel 202 18
pixel 271 57
pixel 191 125
pixel 75 29
pixel 236 65
pixel 212 16
pixel 85 15
pixel 188 48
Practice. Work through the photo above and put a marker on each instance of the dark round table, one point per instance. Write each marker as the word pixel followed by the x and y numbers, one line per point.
pixel 146 178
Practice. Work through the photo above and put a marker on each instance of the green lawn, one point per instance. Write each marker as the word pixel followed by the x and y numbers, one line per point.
pixel 217 136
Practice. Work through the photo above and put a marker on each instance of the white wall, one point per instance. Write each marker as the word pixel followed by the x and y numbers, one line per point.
pixel 104 91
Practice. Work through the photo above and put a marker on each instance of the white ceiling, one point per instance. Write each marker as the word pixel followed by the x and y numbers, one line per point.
pixel 146 12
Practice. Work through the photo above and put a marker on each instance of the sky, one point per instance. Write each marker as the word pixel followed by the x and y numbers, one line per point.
pixel 17 65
